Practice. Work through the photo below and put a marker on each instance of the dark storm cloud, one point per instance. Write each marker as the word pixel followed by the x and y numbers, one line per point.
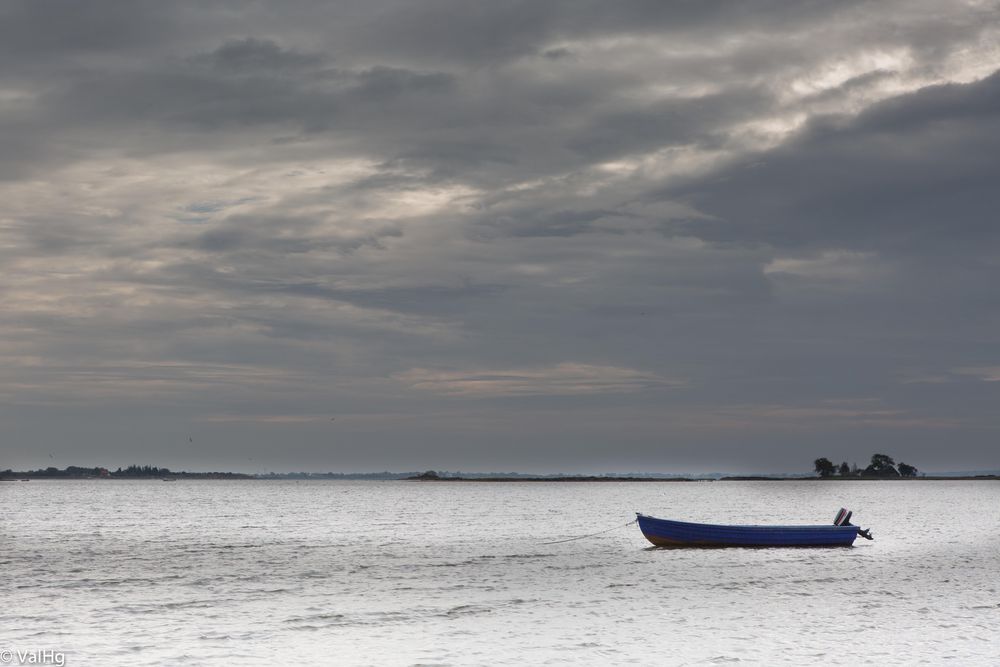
pixel 248 233
pixel 448 30
pixel 500 234
pixel 243 82
pixel 490 119
pixel 45 31
pixel 667 123
pixel 257 56
pixel 913 174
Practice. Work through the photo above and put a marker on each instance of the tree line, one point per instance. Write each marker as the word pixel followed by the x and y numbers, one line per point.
pixel 78 471
pixel 131 472
pixel 882 465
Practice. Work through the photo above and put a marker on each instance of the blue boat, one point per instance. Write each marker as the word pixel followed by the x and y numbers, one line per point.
pixel 668 533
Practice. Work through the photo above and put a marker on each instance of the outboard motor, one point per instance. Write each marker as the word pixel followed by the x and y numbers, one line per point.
pixel 843 518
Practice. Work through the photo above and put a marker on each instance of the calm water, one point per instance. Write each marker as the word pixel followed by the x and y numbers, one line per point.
pixel 387 573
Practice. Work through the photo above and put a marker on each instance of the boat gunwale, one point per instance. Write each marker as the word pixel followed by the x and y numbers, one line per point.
pixel 753 527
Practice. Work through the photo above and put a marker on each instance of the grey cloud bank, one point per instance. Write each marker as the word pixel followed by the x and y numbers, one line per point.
pixel 524 236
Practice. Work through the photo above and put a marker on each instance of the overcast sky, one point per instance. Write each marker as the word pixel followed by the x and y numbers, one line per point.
pixel 534 236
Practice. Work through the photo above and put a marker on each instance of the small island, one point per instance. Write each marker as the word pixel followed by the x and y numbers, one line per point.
pixel 882 466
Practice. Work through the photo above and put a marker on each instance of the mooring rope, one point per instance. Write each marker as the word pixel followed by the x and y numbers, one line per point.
pixel 581 537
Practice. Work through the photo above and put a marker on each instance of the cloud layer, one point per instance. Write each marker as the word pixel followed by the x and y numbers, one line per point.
pixel 658 235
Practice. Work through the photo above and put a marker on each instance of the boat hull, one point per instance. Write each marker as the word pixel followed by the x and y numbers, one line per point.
pixel 668 533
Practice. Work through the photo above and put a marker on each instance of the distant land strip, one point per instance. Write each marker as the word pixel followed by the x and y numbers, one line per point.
pixel 131 472
pixel 559 478
pixel 153 472
pixel 732 478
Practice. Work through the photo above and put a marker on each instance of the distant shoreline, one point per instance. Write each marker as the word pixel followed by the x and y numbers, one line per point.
pixel 17 477
pixel 582 478
pixel 740 478
pixel 152 473
pixel 585 480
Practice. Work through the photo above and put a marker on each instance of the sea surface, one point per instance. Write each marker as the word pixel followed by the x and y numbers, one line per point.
pixel 405 573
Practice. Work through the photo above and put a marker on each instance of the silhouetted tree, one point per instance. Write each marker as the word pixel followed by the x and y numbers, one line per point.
pixel 907 470
pixel 824 467
pixel 845 470
pixel 882 465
